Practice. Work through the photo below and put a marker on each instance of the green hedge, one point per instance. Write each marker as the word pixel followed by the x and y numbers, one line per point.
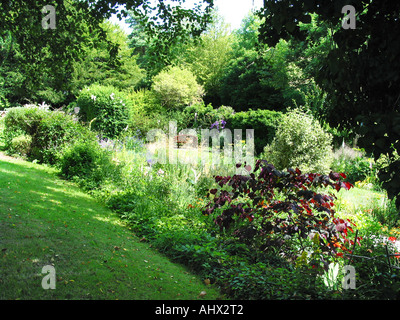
pixel 47 131
pixel 105 108
pixel 264 122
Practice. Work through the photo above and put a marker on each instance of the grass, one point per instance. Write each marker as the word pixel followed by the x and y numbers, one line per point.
pixel 48 221
pixel 371 210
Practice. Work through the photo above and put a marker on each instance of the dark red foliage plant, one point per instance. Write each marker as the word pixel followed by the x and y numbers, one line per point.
pixel 280 210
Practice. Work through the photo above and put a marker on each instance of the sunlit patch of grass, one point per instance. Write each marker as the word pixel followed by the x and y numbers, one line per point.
pixel 48 221
pixel 370 210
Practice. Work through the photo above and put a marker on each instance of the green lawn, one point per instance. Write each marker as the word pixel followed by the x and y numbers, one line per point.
pixel 48 221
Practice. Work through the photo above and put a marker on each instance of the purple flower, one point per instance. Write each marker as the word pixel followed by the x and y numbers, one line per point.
pixel 217 123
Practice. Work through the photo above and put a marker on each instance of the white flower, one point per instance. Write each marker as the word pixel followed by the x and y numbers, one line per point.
pixel 160 172
pixel 93 97
pixel 112 96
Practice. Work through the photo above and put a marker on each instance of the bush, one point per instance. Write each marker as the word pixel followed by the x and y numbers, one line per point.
pixel 264 123
pixel 354 164
pixel 87 163
pixel 21 145
pixel 300 142
pixel 56 130
pixel 25 119
pixel 203 116
pixel 146 112
pixel 50 131
pixel 177 88
pixel 105 108
pixel 279 211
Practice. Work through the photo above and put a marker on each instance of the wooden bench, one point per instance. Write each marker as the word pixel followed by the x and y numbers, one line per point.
pixel 186 139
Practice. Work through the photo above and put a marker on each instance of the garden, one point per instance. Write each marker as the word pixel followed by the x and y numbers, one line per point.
pixel 266 199
pixel 267 234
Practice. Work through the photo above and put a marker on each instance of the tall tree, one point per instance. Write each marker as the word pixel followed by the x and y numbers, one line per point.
pixel 209 57
pixel 51 51
pixel 360 73
pixel 96 65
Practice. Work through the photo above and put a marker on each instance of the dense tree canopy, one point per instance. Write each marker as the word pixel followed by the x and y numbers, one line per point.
pixel 360 72
pixel 45 57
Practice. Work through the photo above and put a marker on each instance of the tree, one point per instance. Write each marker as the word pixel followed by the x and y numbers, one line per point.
pixel 209 57
pixel 256 75
pixel 97 66
pixel 177 87
pixel 360 73
pixel 47 55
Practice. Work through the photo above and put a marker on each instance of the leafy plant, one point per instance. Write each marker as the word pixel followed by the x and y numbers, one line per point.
pixel 88 163
pixel 50 131
pixel 20 145
pixel 300 142
pixel 354 164
pixel 177 88
pixel 279 211
pixel 105 108
pixel 264 123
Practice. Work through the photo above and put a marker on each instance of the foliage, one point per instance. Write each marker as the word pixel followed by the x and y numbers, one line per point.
pixel 375 278
pixel 180 26
pixel 202 116
pixel 105 107
pixel 47 57
pixel 87 163
pixel 20 145
pixel 300 142
pixel 99 66
pixel 146 112
pixel 354 164
pixel 40 61
pixel 264 122
pixel 208 58
pixel 8 76
pixel 273 210
pixel 362 89
pixel 241 86
pixel 177 87
pixel 49 130
pixel 258 76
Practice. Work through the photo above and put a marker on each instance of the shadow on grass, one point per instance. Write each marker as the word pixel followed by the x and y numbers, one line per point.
pixel 48 221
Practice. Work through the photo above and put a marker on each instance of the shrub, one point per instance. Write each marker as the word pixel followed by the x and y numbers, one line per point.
pixel 49 130
pixel 279 211
pixel 54 132
pixel 354 164
pixel 300 142
pixel 264 123
pixel 105 108
pixel 21 145
pixel 26 119
pixel 87 163
pixel 177 87
pixel 203 116
pixel 144 101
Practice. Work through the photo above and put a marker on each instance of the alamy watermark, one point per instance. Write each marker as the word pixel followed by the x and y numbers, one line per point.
pixel 331 277
pixel 234 149
pixel 49 21
pixel 349 21
pixel 49 280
